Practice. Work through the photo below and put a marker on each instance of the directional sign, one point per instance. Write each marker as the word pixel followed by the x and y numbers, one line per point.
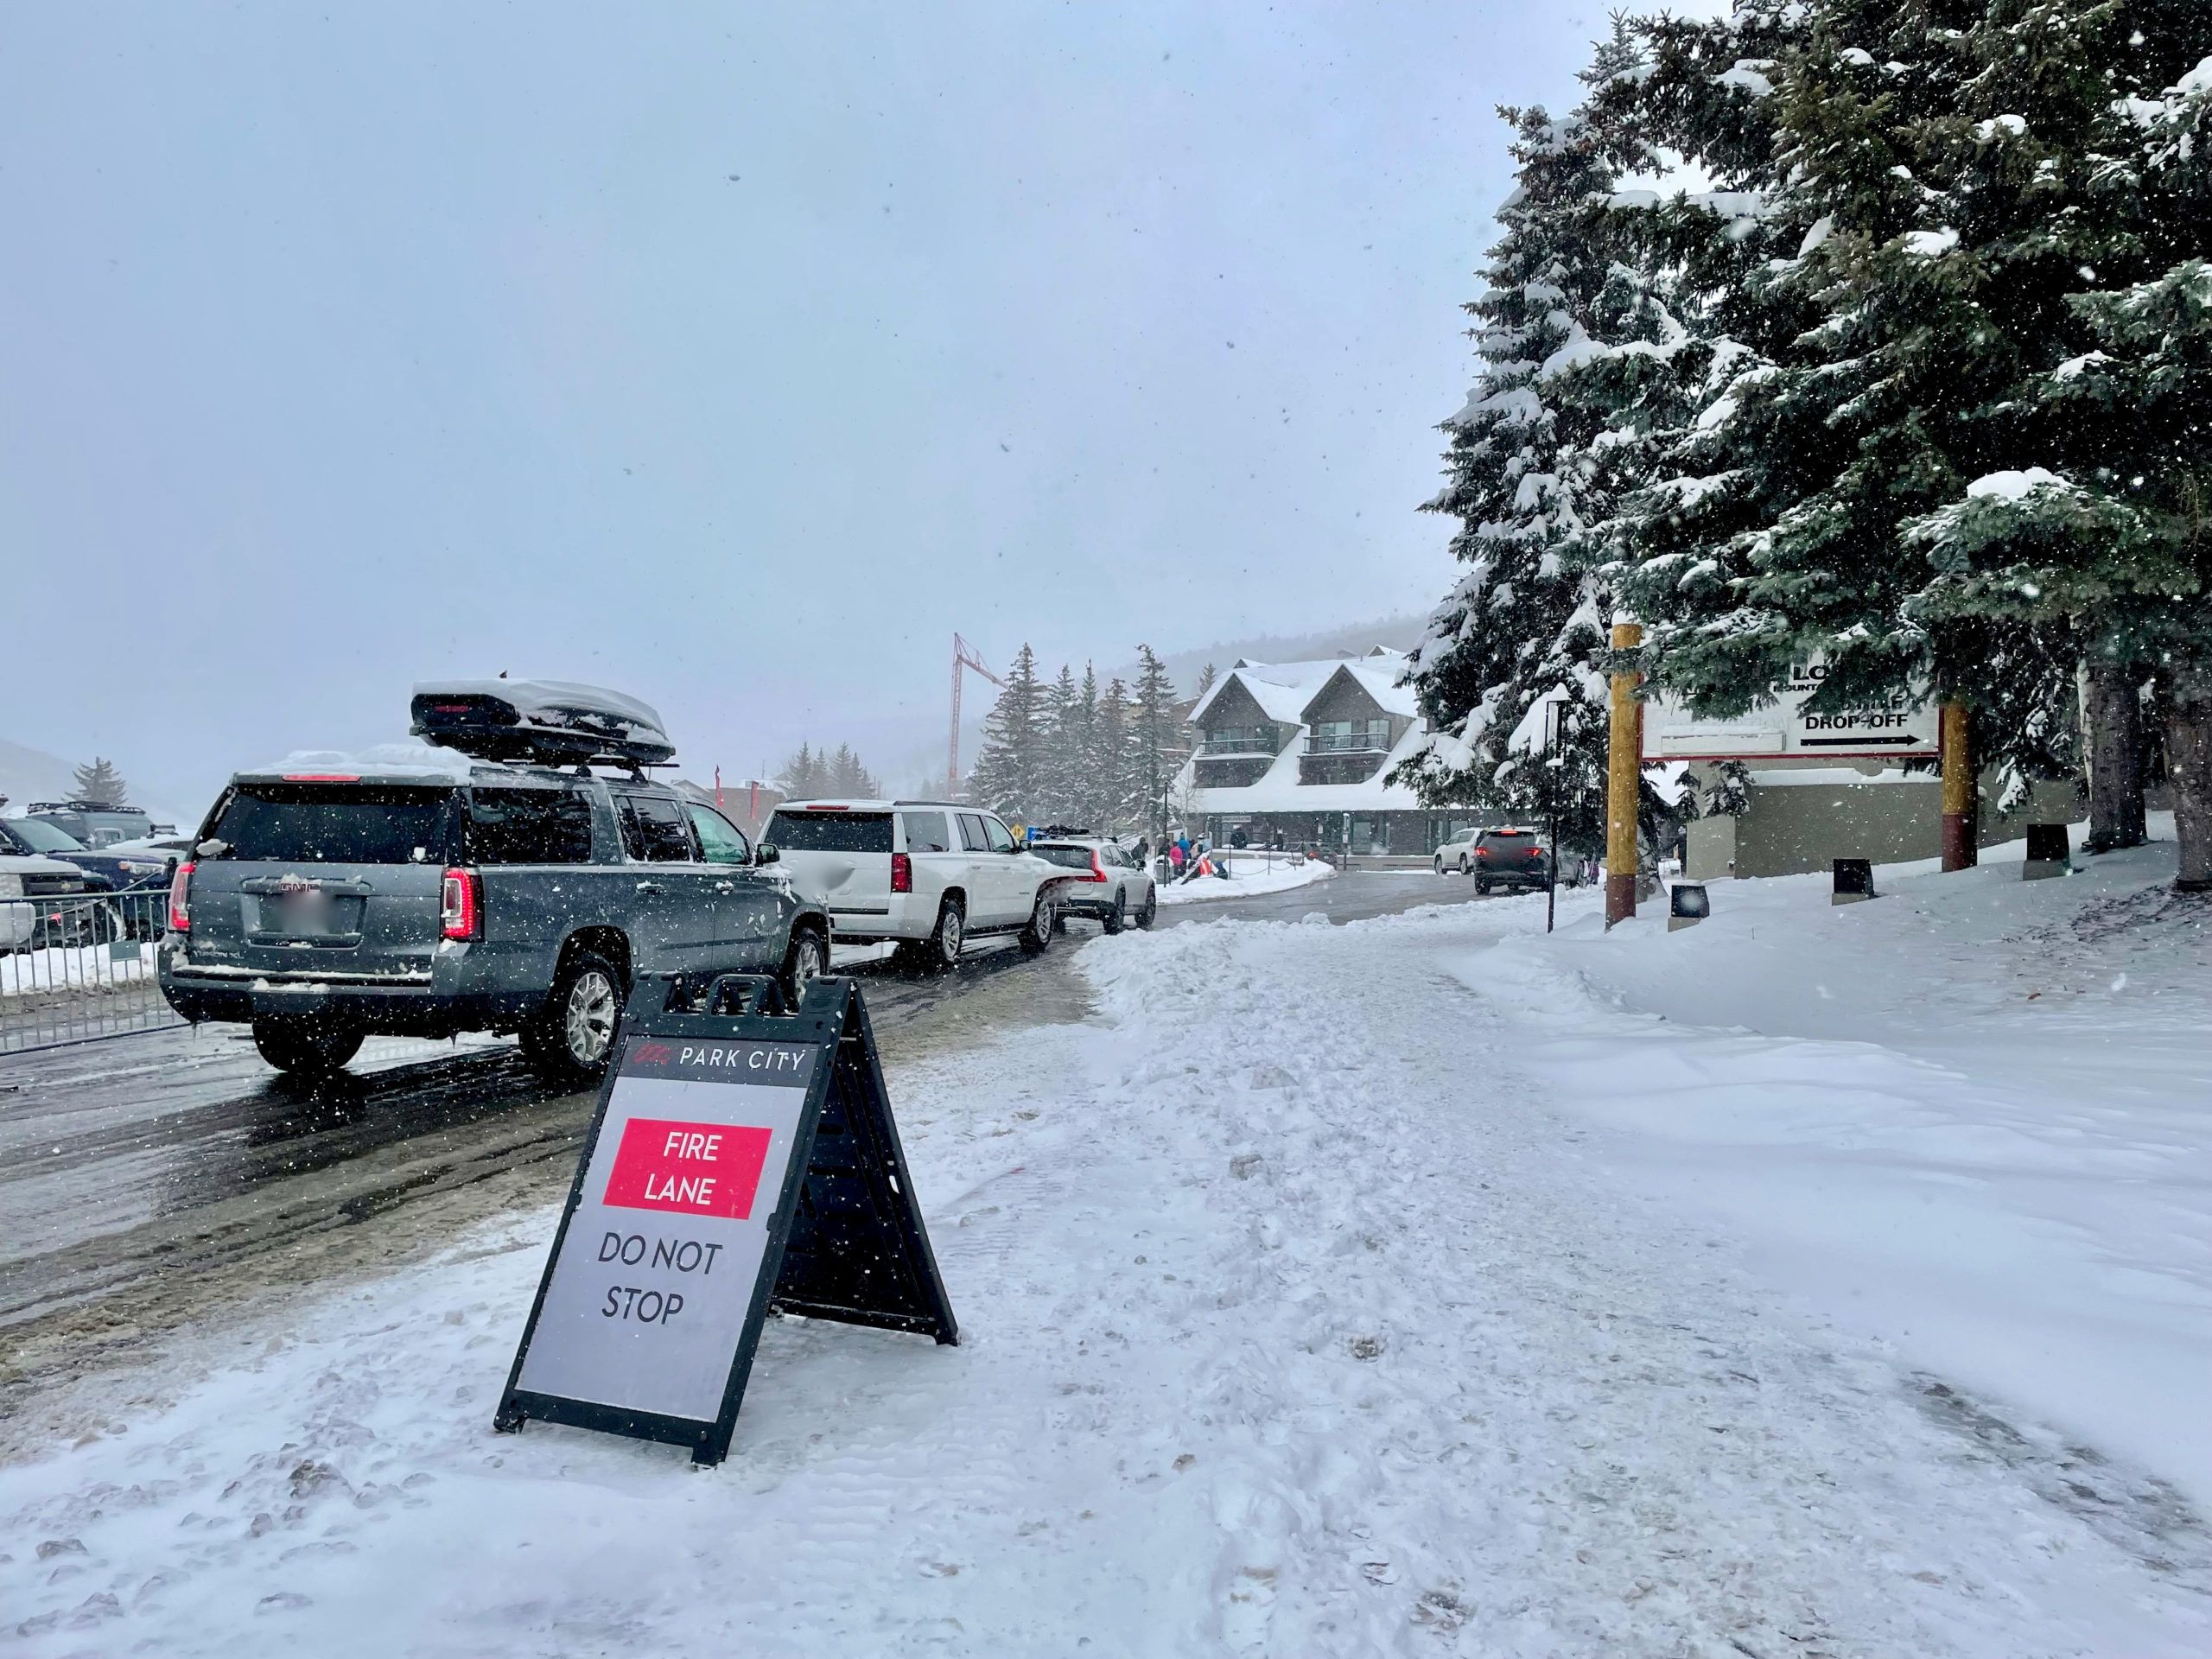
pixel 736 1164
pixel 1905 727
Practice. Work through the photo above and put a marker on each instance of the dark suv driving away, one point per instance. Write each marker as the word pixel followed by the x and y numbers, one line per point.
pixel 1511 858
pixel 323 906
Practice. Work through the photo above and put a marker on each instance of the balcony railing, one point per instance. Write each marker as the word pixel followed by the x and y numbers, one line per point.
pixel 1225 743
pixel 1348 743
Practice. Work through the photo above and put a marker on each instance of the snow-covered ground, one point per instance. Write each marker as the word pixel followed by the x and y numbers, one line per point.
pixel 56 968
pixel 1250 874
pixel 1421 1286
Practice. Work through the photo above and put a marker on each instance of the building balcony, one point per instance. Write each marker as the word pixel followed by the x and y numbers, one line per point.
pixel 1224 745
pixel 1376 743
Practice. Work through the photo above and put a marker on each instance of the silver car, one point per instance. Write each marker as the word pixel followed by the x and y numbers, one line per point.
pixel 1109 884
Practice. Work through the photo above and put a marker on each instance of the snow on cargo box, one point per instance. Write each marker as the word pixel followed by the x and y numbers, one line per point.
pixel 540 720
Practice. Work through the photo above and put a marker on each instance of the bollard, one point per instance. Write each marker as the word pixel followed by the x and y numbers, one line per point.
pixel 2048 855
pixel 1854 881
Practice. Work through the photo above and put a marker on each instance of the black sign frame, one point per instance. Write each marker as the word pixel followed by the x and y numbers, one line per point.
pixel 846 1241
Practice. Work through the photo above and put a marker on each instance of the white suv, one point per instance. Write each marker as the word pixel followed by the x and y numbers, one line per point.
pixel 929 875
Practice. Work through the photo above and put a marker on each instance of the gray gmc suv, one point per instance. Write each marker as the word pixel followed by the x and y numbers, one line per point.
pixel 324 906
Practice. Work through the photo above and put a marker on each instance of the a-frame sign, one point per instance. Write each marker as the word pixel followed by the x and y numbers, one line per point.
pixel 736 1164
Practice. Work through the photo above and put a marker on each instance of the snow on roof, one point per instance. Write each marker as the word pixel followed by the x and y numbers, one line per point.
pixel 1282 690
pixel 1379 676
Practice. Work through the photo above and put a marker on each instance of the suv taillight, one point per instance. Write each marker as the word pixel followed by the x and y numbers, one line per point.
pixel 1098 870
pixel 1482 852
pixel 902 873
pixel 461 904
pixel 180 899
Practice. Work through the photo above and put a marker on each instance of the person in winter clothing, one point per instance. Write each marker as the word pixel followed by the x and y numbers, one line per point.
pixel 1175 856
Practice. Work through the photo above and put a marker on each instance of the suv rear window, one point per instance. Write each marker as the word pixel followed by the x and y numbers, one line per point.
pixel 529 826
pixel 1074 858
pixel 831 832
pixel 336 823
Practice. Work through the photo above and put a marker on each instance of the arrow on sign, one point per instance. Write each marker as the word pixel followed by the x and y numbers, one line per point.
pixel 1859 742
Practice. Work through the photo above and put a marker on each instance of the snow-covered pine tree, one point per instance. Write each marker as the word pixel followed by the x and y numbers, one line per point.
pixel 2134 412
pixel 1086 800
pixel 1112 803
pixel 2047 166
pixel 1571 336
pixel 1157 745
pixel 101 785
pixel 1009 773
pixel 1060 799
pixel 1875 355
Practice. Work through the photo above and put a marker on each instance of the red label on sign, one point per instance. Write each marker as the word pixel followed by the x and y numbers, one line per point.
pixel 692 1169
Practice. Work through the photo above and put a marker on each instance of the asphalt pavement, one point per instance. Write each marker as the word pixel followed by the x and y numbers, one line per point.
pixel 151 1181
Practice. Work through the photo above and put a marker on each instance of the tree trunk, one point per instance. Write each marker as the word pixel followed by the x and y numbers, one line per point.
pixel 2112 747
pixel 2188 768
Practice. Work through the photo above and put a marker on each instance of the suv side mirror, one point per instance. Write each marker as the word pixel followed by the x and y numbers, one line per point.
pixel 765 855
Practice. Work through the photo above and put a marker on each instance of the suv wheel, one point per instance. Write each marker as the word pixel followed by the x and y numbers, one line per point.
pixel 305 1047
pixel 940 952
pixel 573 1039
pixel 1118 918
pixel 1463 863
pixel 1037 936
pixel 1481 884
pixel 1151 907
pixel 803 964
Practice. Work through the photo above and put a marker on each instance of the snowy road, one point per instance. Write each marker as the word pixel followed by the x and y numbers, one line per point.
pixel 156 1180
pixel 1308 1306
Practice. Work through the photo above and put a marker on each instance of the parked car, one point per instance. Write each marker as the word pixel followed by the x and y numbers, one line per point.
pixel 1109 884
pixel 497 895
pixel 93 823
pixel 119 864
pixel 927 875
pixel 1510 858
pixel 47 901
pixel 1457 852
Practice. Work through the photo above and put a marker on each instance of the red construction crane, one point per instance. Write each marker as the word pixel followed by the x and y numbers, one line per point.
pixel 963 655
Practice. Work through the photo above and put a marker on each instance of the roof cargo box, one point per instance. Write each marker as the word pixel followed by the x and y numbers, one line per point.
pixel 549 722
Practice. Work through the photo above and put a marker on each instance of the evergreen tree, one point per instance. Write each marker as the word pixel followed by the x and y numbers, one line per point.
pixel 1114 803
pixel 1578 347
pixel 1009 774
pixel 1060 796
pixel 101 785
pixel 844 774
pixel 1157 747
pixel 801 777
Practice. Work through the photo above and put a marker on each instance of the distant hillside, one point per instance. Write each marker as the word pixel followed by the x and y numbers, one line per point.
pixel 28 775
pixel 1399 632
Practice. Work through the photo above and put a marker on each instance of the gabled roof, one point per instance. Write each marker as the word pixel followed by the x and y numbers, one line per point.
pixel 1283 689
pixel 1378 677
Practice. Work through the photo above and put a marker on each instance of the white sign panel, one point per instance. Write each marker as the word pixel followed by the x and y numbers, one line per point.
pixel 647 1302
pixel 1903 728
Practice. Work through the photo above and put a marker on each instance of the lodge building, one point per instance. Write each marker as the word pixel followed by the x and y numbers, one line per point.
pixel 1294 754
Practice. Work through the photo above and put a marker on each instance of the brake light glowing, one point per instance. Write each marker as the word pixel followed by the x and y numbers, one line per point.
pixel 1482 852
pixel 323 777
pixel 461 904
pixel 180 899
pixel 902 873
pixel 1098 870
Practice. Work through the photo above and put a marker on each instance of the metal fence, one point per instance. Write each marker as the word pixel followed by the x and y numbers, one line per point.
pixel 80 967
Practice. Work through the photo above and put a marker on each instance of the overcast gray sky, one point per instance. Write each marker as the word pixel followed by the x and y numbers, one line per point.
pixel 734 356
